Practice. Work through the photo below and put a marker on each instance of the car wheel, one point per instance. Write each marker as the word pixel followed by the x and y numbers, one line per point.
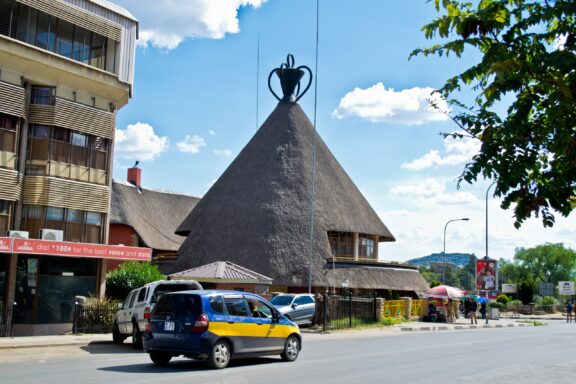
pixel 159 358
pixel 291 348
pixel 220 355
pixel 117 337
pixel 136 336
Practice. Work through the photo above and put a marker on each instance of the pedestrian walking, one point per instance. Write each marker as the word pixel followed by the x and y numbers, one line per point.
pixel 569 312
pixel 473 309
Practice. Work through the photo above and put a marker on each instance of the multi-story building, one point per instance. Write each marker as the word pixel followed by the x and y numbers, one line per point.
pixel 66 67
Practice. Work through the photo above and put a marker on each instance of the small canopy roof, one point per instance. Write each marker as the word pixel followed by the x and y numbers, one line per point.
pixel 443 292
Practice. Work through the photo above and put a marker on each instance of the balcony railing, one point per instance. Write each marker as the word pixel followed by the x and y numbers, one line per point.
pixel 362 261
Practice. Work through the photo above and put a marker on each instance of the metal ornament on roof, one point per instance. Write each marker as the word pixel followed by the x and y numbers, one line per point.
pixel 290 80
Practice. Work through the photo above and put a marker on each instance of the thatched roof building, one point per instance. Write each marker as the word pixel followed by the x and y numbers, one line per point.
pixel 153 215
pixel 258 215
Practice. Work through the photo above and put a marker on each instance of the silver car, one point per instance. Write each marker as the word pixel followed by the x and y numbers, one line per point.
pixel 298 307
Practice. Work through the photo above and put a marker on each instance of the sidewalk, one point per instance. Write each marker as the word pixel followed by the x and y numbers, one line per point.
pixel 461 323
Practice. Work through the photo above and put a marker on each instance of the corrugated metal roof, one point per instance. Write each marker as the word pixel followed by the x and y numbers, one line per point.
pixel 224 270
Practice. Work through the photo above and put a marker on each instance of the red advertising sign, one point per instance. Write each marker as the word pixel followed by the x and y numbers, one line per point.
pixel 63 248
pixel 5 244
pixel 486 274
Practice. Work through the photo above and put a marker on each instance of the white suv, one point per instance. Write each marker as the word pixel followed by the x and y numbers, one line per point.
pixel 133 314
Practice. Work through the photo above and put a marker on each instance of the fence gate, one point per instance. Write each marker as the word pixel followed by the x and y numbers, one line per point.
pixel 349 311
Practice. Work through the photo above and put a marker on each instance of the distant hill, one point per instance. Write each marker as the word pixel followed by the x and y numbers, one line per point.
pixel 459 259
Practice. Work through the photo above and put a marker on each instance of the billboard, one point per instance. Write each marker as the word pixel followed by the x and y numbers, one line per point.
pixel 566 287
pixel 64 248
pixel 509 288
pixel 486 279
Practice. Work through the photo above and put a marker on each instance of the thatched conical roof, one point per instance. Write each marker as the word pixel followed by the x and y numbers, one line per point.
pixel 258 214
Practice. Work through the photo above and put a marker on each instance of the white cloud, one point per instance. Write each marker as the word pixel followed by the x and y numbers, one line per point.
pixel 164 24
pixel 223 152
pixel 380 105
pixel 458 151
pixel 139 142
pixel 191 144
pixel 211 133
pixel 426 188
pixel 430 192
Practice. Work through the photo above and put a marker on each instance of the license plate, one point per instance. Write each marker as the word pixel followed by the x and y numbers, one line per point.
pixel 169 326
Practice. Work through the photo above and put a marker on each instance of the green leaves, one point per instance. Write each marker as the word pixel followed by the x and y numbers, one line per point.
pixel 128 276
pixel 528 69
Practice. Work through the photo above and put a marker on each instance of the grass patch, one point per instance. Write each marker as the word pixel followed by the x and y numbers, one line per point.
pixel 390 321
pixel 535 323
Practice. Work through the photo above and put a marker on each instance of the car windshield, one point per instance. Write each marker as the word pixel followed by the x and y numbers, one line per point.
pixel 282 300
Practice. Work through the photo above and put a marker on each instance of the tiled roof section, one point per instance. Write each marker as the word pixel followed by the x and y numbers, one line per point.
pixel 224 270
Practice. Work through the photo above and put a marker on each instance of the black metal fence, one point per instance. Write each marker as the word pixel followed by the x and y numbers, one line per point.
pixel 5 321
pixel 349 311
pixel 93 318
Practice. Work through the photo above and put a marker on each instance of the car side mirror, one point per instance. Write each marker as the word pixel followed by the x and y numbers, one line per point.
pixel 294 305
pixel 120 306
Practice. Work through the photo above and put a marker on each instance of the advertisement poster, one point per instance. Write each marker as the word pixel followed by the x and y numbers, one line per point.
pixel 566 288
pixel 486 274
pixel 32 271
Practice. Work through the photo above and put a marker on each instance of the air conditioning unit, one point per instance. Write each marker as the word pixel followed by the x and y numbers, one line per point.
pixel 51 234
pixel 19 234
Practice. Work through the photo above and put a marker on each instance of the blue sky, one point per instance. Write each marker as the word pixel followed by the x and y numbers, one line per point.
pixel 195 98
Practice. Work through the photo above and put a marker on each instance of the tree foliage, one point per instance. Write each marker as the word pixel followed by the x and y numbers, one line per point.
pixel 528 56
pixel 545 263
pixel 128 276
pixel 525 292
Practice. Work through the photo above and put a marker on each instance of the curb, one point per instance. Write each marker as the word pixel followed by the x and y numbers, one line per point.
pixel 460 327
pixel 54 344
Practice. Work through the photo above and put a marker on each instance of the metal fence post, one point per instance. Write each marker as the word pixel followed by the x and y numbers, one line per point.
pixel 375 298
pixel 326 306
pixel 75 320
pixel 349 309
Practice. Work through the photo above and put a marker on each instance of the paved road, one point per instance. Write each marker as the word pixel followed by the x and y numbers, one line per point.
pixel 508 355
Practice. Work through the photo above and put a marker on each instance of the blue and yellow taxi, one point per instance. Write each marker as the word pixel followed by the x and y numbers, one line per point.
pixel 218 326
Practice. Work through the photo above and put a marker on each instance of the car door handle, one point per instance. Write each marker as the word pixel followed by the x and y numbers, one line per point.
pixel 231 322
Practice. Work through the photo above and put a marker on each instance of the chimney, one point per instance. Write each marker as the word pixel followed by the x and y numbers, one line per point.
pixel 134 176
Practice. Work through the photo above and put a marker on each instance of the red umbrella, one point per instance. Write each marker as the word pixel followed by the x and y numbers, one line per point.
pixel 444 292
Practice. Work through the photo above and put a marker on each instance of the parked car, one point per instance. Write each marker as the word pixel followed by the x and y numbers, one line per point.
pixel 132 315
pixel 299 307
pixel 217 326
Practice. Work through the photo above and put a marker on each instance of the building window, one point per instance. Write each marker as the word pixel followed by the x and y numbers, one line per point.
pixel 8 125
pixel 56 214
pixel 5 216
pixel 46 287
pixel 64 146
pixel 341 243
pixel 78 225
pixel 48 32
pixel 365 246
pixel 64 38
pixel 45 31
pixel 93 218
pixel 43 95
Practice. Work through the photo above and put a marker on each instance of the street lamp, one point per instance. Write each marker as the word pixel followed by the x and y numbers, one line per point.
pixel 444 251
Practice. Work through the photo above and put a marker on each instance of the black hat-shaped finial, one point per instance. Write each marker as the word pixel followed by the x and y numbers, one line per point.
pixel 290 80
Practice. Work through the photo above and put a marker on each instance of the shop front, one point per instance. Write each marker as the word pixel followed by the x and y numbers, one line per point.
pixel 42 279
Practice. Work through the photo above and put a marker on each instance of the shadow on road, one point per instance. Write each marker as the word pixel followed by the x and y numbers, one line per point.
pixel 183 365
pixel 105 348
